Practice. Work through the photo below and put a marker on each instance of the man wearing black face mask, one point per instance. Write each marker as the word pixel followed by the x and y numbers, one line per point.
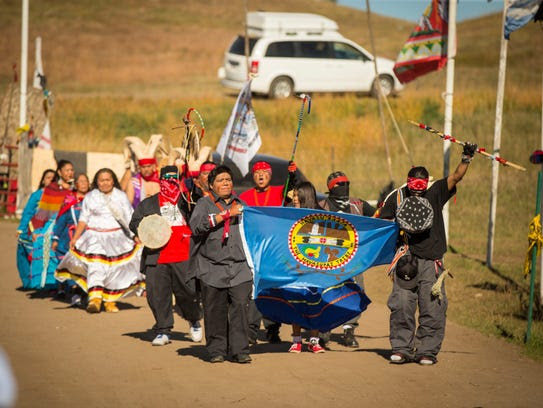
pixel 338 200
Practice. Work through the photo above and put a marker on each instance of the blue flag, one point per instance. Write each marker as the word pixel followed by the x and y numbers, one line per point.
pixel 519 13
pixel 313 308
pixel 300 247
pixel 304 260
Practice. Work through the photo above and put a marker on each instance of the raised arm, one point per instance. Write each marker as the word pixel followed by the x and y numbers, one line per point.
pixel 462 168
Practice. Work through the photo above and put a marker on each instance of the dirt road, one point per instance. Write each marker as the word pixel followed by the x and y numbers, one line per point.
pixel 64 357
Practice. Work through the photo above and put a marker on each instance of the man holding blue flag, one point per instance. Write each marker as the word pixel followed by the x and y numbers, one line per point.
pixel 223 271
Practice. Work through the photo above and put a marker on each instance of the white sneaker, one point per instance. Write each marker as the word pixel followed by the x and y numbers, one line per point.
pixel 427 361
pixel 398 358
pixel 161 340
pixel 196 332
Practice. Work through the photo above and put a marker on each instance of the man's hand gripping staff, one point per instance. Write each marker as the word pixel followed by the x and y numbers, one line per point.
pixel 469 148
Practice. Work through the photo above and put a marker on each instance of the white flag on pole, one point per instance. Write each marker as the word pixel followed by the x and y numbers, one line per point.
pixel 240 139
pixel 40 82
pixel 45 137
pixel 38 69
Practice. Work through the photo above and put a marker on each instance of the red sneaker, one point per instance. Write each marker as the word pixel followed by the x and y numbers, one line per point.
pixel 316 348
pixel 295 348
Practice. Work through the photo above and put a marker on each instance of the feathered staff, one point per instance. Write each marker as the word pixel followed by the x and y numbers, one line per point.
pixel 190 146
pixel 305 98
pixel 191 141
pixel 480 150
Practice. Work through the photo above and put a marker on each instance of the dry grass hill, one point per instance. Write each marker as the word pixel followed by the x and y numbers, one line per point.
pixel 161 47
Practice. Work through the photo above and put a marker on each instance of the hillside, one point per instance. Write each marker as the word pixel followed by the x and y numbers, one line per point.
pixel 158 46
pixel 164 47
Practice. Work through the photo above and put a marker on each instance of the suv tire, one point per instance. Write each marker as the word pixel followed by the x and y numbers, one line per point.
pixel 281 88
pixel 387 85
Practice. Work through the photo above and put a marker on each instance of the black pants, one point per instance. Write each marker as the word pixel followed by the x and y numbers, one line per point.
pixel 164 279
pixel 225 318
pixel 255 317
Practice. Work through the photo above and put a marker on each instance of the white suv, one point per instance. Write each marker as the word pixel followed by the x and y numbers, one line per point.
pixel 300 52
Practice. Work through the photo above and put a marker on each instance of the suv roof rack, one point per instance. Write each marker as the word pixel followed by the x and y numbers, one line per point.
pixel 262 24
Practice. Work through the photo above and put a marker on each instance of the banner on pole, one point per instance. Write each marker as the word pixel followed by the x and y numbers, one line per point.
pixel 521 12
pixel 426 49
pixel 43 141
pixel 240 139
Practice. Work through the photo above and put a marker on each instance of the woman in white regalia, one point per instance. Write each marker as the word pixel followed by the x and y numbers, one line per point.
pixel 104 259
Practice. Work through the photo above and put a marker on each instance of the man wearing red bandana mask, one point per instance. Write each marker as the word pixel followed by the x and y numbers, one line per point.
pixel 142 184
pixel 425 243
pixel 265 195
pixel 167 268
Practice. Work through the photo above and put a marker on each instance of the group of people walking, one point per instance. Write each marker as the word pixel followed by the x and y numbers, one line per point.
pixel 96 249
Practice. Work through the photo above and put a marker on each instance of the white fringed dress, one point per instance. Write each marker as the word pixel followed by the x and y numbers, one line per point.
pixel 105 262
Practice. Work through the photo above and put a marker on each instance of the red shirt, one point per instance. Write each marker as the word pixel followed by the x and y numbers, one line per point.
pixel 178 247
pixel 273 196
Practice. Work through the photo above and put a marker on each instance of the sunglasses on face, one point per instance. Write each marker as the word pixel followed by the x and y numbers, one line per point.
pixel 170 176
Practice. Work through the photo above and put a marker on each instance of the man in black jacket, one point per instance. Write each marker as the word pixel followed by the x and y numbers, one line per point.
pixel 166 268
pixel 418 282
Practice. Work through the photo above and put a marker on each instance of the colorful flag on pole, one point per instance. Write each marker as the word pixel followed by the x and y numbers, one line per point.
pixel 304 260
pixel 426 48
pixel 240 139
pixel 519 13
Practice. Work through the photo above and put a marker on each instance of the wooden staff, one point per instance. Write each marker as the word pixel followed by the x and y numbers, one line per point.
pixel 480 150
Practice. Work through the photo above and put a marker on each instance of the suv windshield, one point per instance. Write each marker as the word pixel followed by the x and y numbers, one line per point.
pixel 238 46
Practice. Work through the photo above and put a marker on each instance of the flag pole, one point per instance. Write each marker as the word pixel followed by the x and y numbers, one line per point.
pixel 533 266
pixel 246 42
pixel 540 210
pixel 497 142
pixel 449 94
pixel 380 95
pixel 24 159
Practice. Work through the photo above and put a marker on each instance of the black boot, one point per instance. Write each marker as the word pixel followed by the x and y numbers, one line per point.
pixel 272 334
pixel 348 338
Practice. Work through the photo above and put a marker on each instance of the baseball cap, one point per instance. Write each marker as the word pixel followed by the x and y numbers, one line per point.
pixel 407 272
